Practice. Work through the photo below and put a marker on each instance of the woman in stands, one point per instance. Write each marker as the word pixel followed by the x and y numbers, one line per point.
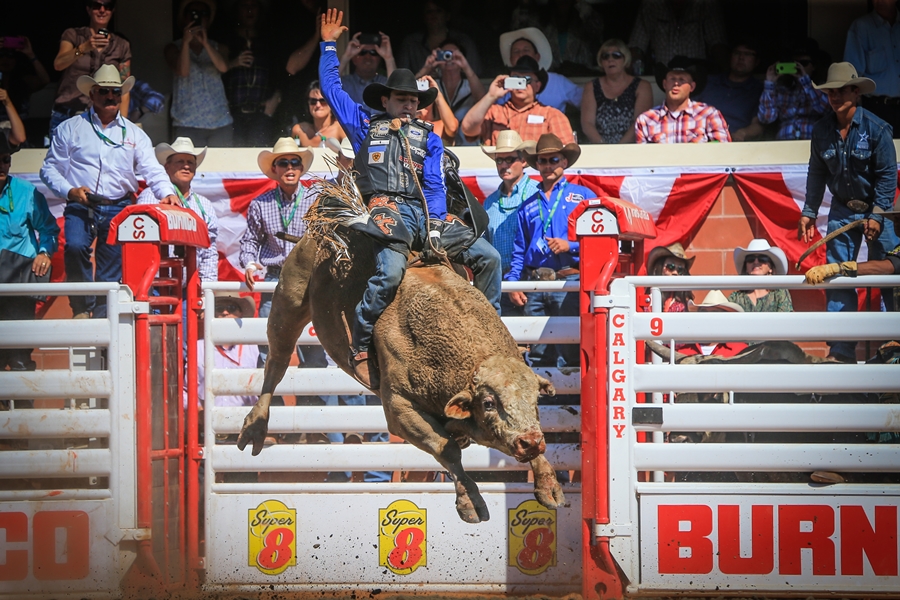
pixel 759 258
pixel 671 261
pixel 324 124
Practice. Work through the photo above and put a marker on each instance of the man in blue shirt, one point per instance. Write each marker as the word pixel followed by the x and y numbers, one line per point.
pixel 736 93
pixel 542 250
pixel 399 161
pixel 853 154
pixel 531 41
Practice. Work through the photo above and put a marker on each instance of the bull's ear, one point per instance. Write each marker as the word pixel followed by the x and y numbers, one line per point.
pixel 546 387
pixel 459 406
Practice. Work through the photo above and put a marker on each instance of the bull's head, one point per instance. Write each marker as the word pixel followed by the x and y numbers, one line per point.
pixel 499 409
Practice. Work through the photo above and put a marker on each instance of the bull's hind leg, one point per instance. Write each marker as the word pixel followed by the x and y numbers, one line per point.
pixel 547 490
pixel 424 432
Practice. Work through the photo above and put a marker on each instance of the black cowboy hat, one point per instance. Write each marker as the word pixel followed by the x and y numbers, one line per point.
pixel 526 64
pixel 5 146
pixel 401 80
pixel 682 63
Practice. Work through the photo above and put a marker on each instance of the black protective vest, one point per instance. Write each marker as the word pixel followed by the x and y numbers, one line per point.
pixel 381 162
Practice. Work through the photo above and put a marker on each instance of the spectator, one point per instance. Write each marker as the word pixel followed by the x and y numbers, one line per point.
pixel 736 93
pixel 542 250
pixel 759 258
pixel 531 41
pixel 671 261
pixel 16 135
pixel 613 101
pixel 680 120
pixel 324 124
pixel 570 26
pixel 665 29
pixel 444 123
pixel 416 47
pixel 180 160
pixel 83 50
pixel 21 74
pixel 28 238
pixel 93 162
pixel 457 82
pixel 873 47
pixel 366 59
pixel 250 82
pixel 297 26
pixel 144 99
pixel 199 105
pixel 792 100
pixel 715 301
pixel 853 154
pixel 522 113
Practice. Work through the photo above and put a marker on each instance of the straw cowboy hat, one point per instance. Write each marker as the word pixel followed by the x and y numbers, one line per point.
pixel 548 143
pixel 246 303
pixel 533 35
pixel 343 148
pixel 401 80
pixel 660 252
pixel 775 254
pixel 685 64
pixel 715 301
pixel 508 141
pixel 106 76
pixel 283 147
pixel 181 145
pixel 844 73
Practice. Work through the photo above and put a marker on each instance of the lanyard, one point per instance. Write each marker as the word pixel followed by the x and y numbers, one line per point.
pixel 221 351
pixel 105 139
pixel 287 223
pixel 521 198
pixel 549 221
pixel 185 201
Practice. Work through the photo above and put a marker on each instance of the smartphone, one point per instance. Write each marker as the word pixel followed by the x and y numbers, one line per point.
pixel 14 42
pixel 372 39
pixel 515 83
pixel 103 32
pixel 786 68
pixel 196 18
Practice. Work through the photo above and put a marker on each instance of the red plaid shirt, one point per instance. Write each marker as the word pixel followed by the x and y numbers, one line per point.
pixel 697 123
pixel 531 122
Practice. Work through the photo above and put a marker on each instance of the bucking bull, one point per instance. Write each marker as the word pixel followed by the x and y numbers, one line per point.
pixel 449 370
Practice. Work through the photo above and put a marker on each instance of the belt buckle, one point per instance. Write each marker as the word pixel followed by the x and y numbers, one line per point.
pixel 857 206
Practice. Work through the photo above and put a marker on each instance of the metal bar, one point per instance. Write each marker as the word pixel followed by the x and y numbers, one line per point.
pixel 337 457
pixel 90 462
pixel 881 458
pixel 49 333
pixel 55 383
pixel 54 495
pixel 57 289
pixel 41 423
pixel 506 286
pixel 737 282
pixel 773 489
pixel 431 487
pixel 777 417
pixel 832 378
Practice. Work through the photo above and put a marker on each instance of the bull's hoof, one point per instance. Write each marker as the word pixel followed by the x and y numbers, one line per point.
pixel 472 511
pixel 549 494
pixel 255 429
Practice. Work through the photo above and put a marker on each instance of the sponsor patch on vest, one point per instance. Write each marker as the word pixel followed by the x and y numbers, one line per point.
pixel 376 155
pixel 382 129
pixel 415 133
pixel 574 198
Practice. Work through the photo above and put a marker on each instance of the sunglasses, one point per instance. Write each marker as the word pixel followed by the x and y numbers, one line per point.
pixel 760 258
pixel 284 163
pixel 368 52
pixel 680 269
pixel 314 101
pixel 105 91
pixel 553 160
pixel 102 5
pixel 608 55
pixel 6 159
pixel 506 160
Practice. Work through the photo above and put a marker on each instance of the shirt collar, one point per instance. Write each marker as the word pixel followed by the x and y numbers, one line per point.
pixel 882 21
pixel 689 110
pixel 562 181
pixel 512 106
pixel 279 193
pixel 520 185
pixel 118 120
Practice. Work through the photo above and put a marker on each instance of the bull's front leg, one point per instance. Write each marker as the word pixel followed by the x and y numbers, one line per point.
pixel 547 490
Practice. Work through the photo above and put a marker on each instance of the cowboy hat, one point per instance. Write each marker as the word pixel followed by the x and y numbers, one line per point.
pixel 508 141
pixel 844 73
pixel 246 303
pixel 660 252
pixel 5 146
pixel 548 143
pixel 685 64
pixel 526 64
pixel 209 4
pixel 715 301
pixel 283 146
pixel 181 145
pixel 343 148
pixel 401 80
pixel 106 76
pixel 775 254
pixel 533 35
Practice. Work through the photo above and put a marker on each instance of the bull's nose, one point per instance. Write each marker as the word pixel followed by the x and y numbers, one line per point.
pixel 529 445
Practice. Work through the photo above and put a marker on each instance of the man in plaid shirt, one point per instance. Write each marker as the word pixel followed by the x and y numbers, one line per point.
pixel 792 100
pixel 679 119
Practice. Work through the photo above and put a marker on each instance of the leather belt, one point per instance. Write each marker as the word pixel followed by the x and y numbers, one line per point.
pixel 548 274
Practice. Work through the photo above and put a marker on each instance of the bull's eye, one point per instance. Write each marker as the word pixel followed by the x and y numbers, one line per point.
pixel 489 404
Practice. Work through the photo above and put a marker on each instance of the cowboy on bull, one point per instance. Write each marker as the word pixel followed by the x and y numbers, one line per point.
pixel 399 165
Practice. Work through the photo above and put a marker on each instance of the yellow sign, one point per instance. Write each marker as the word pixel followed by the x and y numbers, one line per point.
pixel 272 537
pixel 532 537
pixel 402 543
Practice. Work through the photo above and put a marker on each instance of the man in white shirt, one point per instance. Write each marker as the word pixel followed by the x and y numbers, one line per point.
pixel 93 162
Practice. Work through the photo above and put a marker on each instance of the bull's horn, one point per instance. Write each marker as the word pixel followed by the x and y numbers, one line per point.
pixel 287 237
pixel 664 352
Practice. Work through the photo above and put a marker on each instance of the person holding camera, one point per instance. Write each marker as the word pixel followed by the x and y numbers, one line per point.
pixel 94 162
pixel 455 78
pixel 364 52
pixel 82 50
pixel 522 112
pixel 790 98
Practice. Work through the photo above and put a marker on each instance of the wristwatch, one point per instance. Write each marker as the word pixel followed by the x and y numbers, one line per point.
pixel 78 52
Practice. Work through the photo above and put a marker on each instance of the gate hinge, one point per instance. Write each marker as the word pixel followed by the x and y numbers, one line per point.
pixel 612 530
pixel 140 308
pixel 199 563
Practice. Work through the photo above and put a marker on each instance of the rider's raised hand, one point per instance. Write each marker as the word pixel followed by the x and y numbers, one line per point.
pixel 331 28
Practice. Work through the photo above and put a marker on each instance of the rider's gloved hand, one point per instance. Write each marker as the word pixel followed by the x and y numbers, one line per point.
pixel 435 229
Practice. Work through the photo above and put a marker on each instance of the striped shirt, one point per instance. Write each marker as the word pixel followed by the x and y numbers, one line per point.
pixel 531 122
pixel 269 213
pixel 796 110
pixel 502 211
pixel 695 124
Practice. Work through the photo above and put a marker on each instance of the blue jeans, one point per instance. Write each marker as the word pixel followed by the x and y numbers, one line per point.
pixel 81 231
pixel 553 304
pixel 846 247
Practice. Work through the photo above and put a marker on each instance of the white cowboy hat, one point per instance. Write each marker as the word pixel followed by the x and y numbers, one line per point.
pixel 508 141
pixel 106 76
pixel 715 300
pixel 343 148
pixel 181 145
pixel 779 260
pixel 283 146
pixel 246 303
pixel 533 35
pixel 844 73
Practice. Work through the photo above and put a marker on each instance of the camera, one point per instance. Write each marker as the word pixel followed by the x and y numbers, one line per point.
pixel 14 42
pixel 104 32
pixel 422 85
pixel 443 55
pixel 515 83
pixel 786 68
pixel 372 39
pixel 196 18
